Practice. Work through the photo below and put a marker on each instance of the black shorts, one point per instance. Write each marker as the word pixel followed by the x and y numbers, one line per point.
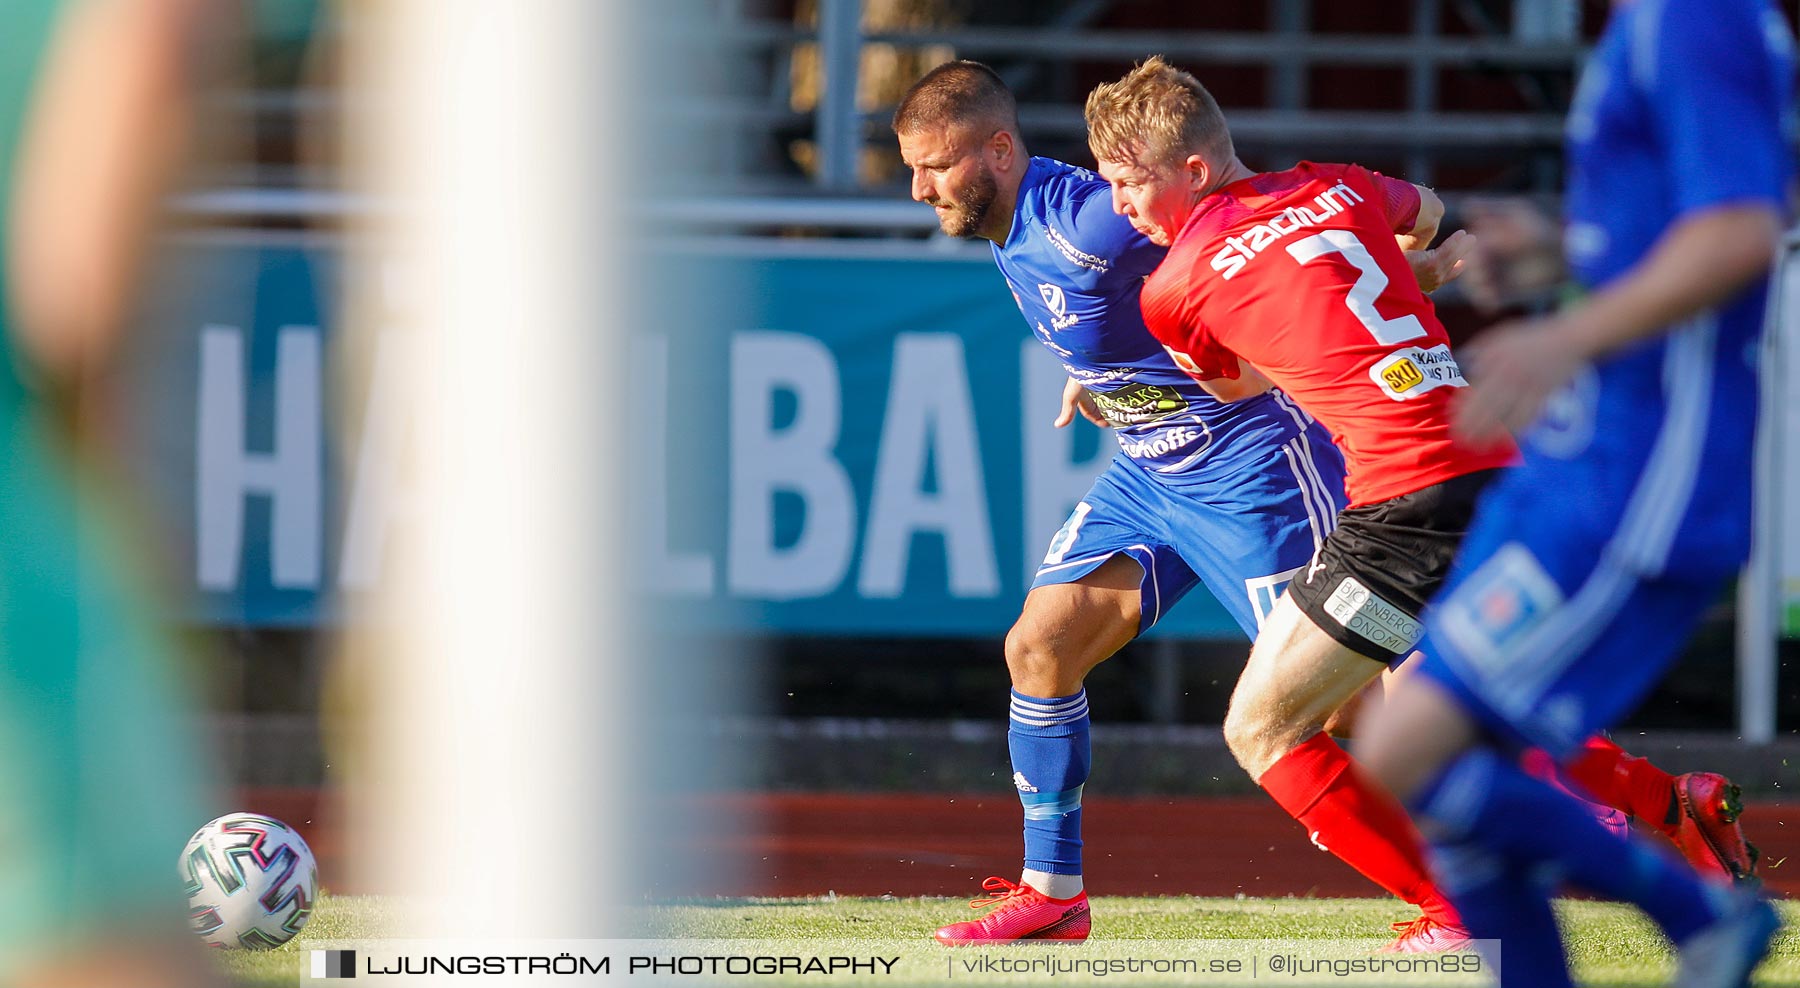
pixel 1370 579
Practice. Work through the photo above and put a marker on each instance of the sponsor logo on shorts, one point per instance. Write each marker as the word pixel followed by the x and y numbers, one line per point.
pixel 1412 371
pixel 1264 591
pixel 1361 610
pixel 1500 602
pixel 1065 537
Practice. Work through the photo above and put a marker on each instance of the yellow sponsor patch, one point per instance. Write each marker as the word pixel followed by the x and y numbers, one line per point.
pixel 1402 375
pixel 1412 371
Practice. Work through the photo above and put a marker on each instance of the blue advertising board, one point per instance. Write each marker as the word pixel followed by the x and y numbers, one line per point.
pixel 845 445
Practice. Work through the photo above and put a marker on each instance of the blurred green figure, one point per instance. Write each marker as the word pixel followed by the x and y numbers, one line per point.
pixel 100 782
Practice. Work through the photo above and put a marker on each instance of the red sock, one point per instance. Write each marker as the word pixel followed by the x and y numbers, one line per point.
pixel 1356 820
pixel 1626 783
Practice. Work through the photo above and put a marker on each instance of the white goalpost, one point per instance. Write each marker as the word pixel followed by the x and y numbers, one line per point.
pixel 1769 596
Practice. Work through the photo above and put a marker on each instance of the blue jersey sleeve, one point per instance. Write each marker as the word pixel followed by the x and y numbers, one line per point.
pixel 1717 77
pixel 1099 230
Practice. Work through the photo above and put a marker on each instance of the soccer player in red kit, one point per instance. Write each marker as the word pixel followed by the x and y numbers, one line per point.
pixel 1298 279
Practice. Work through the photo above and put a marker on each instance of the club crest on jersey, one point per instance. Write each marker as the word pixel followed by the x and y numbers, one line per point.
pixel 1238 250
pixel 1060 317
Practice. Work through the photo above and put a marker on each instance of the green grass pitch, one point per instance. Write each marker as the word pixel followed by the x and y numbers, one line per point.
pixel 1612 945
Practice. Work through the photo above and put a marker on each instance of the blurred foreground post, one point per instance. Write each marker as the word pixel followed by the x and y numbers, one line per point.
pixel 485 676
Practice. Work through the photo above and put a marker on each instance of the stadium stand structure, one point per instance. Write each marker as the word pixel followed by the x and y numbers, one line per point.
pixel 1467 95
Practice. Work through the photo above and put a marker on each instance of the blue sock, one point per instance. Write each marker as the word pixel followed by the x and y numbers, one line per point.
pixel 1050 757
pixel 1487 801
pixel 1496 901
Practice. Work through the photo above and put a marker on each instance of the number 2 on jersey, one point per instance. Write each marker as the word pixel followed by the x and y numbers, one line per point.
pixel 1371 281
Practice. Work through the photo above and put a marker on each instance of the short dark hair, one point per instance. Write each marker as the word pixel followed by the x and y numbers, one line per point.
pixel 956 93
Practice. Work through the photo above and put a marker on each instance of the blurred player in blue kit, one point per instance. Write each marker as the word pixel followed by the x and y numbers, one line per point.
pixel 1589 565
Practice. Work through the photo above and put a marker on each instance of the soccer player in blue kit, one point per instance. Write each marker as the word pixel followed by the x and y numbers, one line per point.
pixel 1588 566
pixel 1236 496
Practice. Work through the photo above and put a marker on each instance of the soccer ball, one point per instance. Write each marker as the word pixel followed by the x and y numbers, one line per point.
pixel 251 882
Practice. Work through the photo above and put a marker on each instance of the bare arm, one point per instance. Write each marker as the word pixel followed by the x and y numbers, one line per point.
pixel 1702 261
pixel 1425 227
pixel 1249 383
pixel 103 137
pixel 1443 264
pixel 1075 399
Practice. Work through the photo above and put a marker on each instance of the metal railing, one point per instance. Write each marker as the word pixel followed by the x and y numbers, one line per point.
pixel 751 117
pixel 1420 129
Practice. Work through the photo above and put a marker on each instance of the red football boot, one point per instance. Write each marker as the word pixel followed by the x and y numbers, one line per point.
pixel 1428 936
pixel 1708 834
pixel 1020 913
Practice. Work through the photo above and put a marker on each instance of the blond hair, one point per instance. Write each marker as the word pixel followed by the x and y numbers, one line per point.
pixel 1156 113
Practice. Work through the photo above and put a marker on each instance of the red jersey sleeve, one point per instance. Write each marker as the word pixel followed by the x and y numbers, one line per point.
pixel 1397 198
pixel 1170 319
pixel 1399 201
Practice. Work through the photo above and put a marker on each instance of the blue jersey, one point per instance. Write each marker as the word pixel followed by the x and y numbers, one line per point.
pixel 1661 128
pixel 1076 269
pixel 1589 565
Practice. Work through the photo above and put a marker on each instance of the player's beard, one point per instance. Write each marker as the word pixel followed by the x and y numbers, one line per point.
pixel 967 215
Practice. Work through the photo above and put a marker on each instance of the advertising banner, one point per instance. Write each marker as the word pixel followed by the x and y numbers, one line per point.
pixel 844 445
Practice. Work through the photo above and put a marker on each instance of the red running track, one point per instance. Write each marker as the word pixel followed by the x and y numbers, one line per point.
pixel 793 844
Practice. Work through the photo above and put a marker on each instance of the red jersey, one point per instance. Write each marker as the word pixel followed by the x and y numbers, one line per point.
pixel 1298 274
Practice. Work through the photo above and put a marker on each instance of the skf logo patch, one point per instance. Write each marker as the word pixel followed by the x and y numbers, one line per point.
pixel 1402 375
pixel 1412 371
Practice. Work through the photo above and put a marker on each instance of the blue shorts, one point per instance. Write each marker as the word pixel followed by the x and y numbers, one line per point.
pixel 1244 540
pixel 1588 568
pixel 1547 632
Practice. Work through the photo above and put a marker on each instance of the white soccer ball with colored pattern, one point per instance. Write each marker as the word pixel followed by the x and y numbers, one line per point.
pixel 251 882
